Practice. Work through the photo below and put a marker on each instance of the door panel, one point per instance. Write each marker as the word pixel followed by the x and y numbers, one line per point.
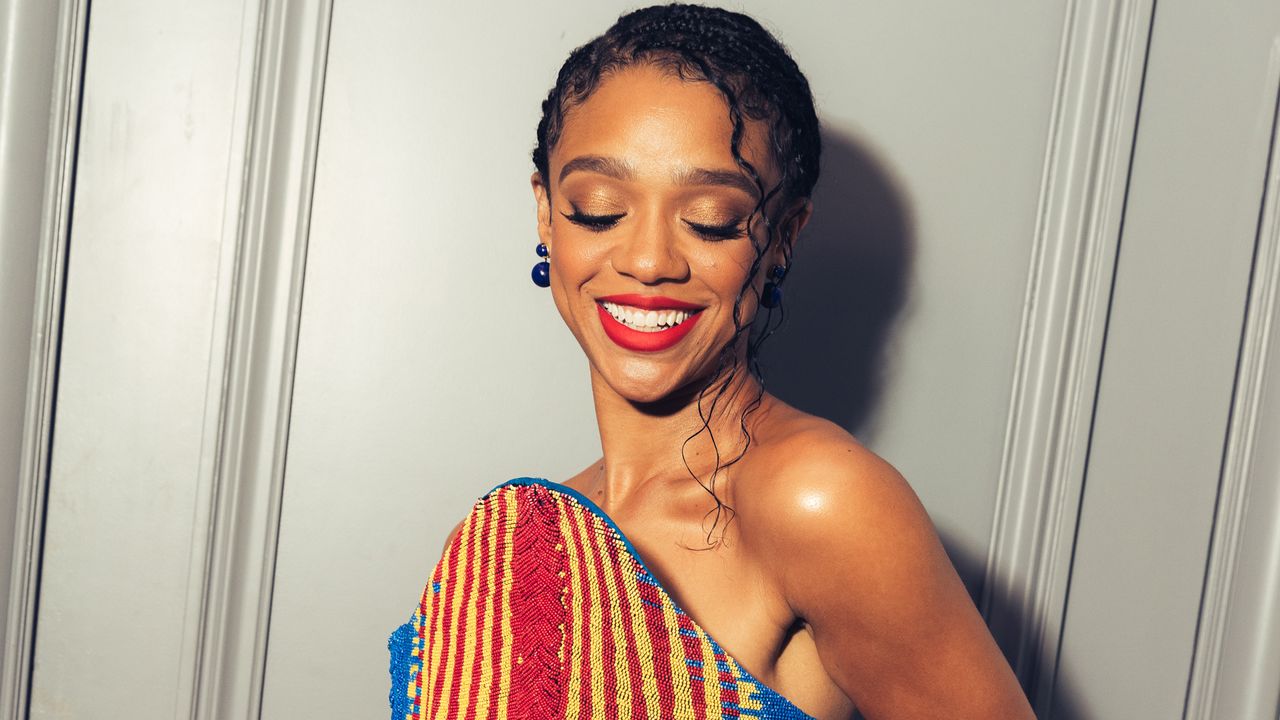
pixel 1169 370
pixel 119 603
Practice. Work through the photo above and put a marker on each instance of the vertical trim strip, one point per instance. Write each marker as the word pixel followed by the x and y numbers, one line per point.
pixel 1090 142
pixel 33 478
pixel 257 383
pixel 1235 670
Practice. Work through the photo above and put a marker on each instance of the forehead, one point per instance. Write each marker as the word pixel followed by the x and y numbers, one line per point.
pixel 651 119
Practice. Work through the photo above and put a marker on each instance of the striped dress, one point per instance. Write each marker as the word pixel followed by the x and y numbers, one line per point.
pixel 541 608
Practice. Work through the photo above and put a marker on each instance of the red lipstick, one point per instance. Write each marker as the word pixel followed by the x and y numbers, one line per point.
pixel 639 340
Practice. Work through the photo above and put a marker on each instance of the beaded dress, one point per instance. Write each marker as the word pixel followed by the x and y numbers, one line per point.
pixel 541 608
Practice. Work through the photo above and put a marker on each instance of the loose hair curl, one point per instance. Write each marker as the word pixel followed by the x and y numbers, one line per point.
pixel 759 81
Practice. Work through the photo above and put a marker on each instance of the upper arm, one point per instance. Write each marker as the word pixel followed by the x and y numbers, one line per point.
pixel 861 563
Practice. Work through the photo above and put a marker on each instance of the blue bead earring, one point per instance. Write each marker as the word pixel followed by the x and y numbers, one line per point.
pixel 542 270
pixel 772 295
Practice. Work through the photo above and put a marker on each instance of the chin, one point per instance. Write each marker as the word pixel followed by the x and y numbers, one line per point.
pixel 645 399
pixel 645 382
pixel 640 381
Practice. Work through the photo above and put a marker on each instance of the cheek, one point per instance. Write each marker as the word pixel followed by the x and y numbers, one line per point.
pixel 577 255
pixel 725 272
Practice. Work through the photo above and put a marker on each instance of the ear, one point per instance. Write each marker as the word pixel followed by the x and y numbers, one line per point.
pixel 542 194
pixel 793 222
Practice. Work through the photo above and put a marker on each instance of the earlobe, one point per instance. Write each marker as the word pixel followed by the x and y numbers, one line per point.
pixel 543 199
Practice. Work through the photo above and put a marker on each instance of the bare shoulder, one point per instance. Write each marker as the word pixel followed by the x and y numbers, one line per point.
pixel 839 510
pixel 858 560
pixel 818 484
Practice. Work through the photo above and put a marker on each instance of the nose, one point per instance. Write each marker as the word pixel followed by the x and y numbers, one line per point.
pixel 650 253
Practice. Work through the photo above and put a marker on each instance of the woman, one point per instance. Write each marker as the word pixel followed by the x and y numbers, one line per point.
pixel 729 555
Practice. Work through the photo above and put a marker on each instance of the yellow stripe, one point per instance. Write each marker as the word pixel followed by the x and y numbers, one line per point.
pixel 504 679
pixel 679 669
pixel 710 674
pixel 595 623
pixel 643 650
pixel 413 655
pixel 486 622
pixel 437 637
pixel 455 600
pixel 575 574
pixel 621 672
pixel 746 691
pixel 469 650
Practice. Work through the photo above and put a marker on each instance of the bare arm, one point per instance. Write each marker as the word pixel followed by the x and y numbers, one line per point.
pixel 894 626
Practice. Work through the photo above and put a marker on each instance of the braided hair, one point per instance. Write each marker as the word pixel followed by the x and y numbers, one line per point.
pixel 759 81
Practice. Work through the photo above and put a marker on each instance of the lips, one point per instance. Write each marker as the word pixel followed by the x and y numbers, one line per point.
pixel 676 316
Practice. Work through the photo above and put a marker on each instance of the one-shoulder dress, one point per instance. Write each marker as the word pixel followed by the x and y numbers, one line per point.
pixel 541 608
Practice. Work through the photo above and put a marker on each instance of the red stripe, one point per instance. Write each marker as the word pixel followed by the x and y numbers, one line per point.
pixel 659 636
pixel 499 507
pixel 485 592
pixel 620 566
pixel 447 630
pixel 728 690
pixel 599 539
pixel 424 661
pixel 460 622
pixel 424 616
pixel 537 609
pixel 581 596
pixel 693 649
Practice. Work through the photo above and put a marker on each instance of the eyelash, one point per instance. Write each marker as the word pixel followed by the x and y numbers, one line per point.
pixel 594 223
pixel 601 223
pixel 717 232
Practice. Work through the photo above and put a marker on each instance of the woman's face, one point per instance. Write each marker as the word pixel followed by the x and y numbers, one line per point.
pixel 645 217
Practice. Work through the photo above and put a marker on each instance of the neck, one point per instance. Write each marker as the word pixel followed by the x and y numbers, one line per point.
pixel 643 441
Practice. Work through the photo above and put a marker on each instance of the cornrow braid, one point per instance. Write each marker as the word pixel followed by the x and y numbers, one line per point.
pixel 759 81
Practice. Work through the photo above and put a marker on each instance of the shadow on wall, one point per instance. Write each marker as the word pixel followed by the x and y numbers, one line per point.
pixel 853 265
pixel 1065 707
pixel 848 284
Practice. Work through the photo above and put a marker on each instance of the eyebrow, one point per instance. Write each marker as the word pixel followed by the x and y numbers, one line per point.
pixel 726 178
pixel 622 170
pixel 612 167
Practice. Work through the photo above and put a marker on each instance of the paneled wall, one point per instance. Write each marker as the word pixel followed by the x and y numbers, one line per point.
pixel 28 34
pixel 1040 281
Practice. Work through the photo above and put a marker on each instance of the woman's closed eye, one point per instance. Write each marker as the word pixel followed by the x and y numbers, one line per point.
pixel 594 223
pixel 602 222
pixel 727 231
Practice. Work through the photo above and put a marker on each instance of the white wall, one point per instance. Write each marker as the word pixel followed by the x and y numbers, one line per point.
pixel 971 214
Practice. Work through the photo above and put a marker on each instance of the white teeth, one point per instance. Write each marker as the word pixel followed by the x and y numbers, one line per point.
pixel 646 320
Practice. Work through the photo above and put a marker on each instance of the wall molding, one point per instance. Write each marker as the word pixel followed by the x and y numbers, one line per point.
pixel 252 396
pixel 33 476
pixel 1235 670
pixel 1090 141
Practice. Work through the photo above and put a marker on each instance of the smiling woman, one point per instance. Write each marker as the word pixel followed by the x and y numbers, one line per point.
pixel 728 555
pixel 653 201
